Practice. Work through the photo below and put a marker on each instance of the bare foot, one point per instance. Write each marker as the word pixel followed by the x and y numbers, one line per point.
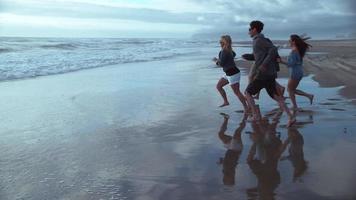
pixel 311 98
pixel 224 104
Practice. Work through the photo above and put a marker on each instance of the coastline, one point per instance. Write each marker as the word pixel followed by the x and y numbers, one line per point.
pixel 113 133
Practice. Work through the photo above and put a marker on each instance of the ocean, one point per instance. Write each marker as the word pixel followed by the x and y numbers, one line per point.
pixel 33 57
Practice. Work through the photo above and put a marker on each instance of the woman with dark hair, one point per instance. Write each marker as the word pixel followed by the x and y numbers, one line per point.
pixel 295 65
pixel 232 73
pixel 295 141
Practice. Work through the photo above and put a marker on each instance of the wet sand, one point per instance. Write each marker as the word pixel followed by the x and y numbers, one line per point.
pixel 113 133
pixel 337 67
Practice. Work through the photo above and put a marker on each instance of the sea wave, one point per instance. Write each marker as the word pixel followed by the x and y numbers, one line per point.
pixel 32 57
pixel 64 46
pixel 6 50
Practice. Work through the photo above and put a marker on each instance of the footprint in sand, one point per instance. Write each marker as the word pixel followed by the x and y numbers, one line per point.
pixel 73 98
pixel 284 126
pixel 297 124
pixel 303 123
pixel 334 99
pixel 271 113
pixel 306 111
pixel 337 109
pixel 327 104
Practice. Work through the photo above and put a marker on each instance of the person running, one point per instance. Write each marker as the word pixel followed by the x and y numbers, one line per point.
pixel 265 54
pixel 232 73
pixel 253 72
pixel 295 65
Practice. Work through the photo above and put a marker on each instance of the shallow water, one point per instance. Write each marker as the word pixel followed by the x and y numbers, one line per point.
pixel 111 133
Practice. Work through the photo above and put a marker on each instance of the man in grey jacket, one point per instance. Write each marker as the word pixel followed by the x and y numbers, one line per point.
pixel 265 54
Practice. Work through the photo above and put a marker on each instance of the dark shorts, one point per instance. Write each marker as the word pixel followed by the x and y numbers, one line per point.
pixel 257 85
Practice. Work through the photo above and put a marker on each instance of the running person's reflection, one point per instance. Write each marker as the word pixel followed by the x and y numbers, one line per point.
pixel 295 141
pixel 234 148
pixel 263 158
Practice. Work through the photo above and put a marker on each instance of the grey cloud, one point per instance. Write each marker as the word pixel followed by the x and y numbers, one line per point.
pixel 88 11
pixel 318 18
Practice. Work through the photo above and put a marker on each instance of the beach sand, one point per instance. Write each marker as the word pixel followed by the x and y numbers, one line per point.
pixel 338 67
pixel 115 133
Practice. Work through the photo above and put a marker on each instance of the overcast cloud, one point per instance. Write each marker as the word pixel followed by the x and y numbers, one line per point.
pixel 183 18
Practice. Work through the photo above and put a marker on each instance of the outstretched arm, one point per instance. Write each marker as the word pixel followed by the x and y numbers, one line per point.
pixel 280 60
pixel 248 56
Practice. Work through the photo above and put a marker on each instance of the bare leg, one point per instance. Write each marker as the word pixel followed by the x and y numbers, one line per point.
pixel 280 89
pixel 292 89
pixel 223 127
pixel 251 103
pixel 258 112
pixel 236 89
pixel 282 104
pixel 302 93
pixel 219 86
pixel 292 85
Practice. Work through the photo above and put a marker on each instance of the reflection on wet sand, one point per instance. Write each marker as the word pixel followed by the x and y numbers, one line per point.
pixel 266 151
pixel 295 141
pixel 263 157
pixel 234 148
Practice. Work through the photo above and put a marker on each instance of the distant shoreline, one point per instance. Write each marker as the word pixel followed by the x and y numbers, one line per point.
pixel 188 38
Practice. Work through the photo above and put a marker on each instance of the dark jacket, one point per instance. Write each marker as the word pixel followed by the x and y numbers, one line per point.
pixel 226 61
pixel 265 54
pixel 251 57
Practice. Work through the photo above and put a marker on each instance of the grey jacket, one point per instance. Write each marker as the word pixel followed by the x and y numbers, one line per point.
pixel 265 54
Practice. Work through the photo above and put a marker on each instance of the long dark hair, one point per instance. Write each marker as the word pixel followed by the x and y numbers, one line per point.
pixel 300 43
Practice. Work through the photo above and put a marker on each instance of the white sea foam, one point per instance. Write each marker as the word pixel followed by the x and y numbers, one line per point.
pixel 31 57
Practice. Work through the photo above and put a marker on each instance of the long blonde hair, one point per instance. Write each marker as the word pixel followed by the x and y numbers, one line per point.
pixel 228 41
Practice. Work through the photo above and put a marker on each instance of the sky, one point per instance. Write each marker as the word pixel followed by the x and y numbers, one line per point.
pixel 176 18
